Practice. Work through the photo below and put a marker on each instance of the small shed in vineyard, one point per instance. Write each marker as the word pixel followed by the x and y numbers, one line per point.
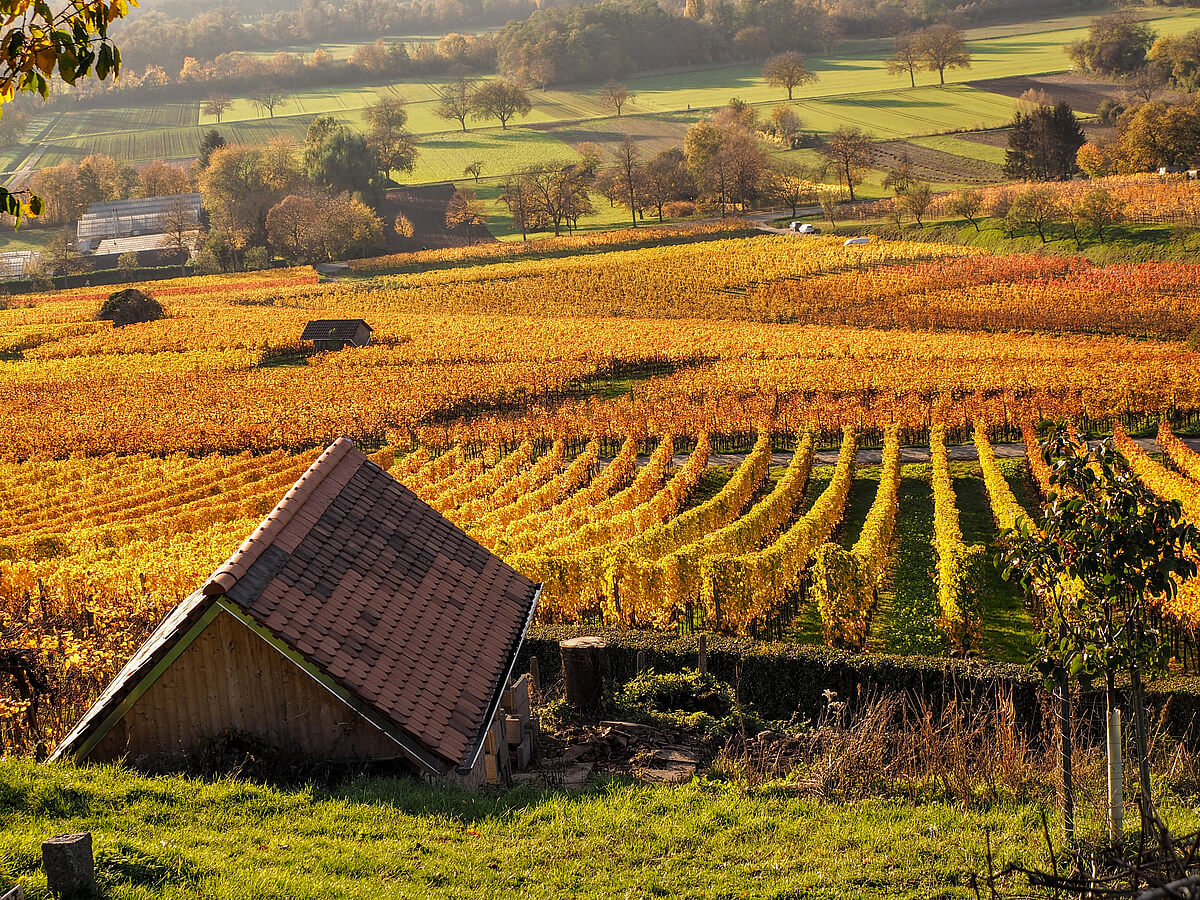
pixel 336 334
pixel 354 624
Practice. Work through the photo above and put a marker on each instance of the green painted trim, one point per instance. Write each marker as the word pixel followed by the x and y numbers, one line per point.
pixel 147 682
pixel 416 753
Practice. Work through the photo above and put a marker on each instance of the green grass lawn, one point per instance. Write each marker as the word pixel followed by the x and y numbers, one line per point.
pixel 172 837
pixel 1008 631
pixel 960 147
pixel 906 619
pixel 25 238
pixel 853 87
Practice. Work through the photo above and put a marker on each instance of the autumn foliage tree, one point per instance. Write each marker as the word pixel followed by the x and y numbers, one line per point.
pixel 305 229
pixel 464 213
pixel 787 70
pixel 500 100
pixel 36 41
pixel 850 153
pixel 942 47
pixel 614 95
pixel 393 144
pixel 217 105
pixel 1116 44
pixel 906 57
pixel 454 101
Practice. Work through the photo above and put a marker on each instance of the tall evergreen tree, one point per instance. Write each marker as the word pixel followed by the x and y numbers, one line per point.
pixel 1042 144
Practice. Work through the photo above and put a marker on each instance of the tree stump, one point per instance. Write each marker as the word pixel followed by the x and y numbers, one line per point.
pixel 70 869
pixel 585 663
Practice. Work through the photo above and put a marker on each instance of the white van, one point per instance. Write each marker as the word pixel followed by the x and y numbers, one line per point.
pixel 804 228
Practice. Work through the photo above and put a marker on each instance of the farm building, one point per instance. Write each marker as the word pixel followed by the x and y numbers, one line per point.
pixel 336 334
pixel 13 263
pixel 354 624
pixel 143 215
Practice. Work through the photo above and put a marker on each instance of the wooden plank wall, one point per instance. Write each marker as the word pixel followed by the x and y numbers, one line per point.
pixel 230 678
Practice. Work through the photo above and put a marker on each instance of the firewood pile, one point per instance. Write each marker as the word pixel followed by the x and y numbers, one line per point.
pixel 645 752
pixel 512 741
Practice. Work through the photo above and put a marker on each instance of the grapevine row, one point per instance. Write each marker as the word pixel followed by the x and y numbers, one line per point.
pixel 530 530
pixel 572 580
pixel 845 584
pixel 632 594
pixel 738 591
pixel 959 615
pixel 1182 457
pixel 674 581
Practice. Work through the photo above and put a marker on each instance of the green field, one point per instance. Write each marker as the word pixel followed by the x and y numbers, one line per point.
pixel 961 147
pixel 853 88
pixel 173 837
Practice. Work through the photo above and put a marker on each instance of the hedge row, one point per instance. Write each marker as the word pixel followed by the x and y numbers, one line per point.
pixel 782 681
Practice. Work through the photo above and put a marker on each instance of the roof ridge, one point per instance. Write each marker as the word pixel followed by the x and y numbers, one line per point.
pixel 227 575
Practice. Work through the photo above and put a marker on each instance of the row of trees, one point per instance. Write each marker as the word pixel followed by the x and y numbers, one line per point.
pixel 1036 210
pixel 381 60
pixel 723 167
pixel 306 202
pixel 1149 136
pixel 933 49
pixel 156 38
pixel 70 188
pixel 729 29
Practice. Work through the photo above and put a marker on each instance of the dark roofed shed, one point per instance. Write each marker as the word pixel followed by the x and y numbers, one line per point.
pixel 336 334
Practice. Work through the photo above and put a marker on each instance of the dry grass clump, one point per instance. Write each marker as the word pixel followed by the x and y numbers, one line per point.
pixel 896 746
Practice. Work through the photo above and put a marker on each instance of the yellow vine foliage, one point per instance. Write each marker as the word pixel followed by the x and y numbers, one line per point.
pixel 1167 485
pixel 1182 457
pixel 959 619
pixel 1006 510
pixel 845 584
pixel 1037 463
pixel 425 479
pixel 485 484
pixel 573 577
pixel 631 595
pixel 529 531
pixel 619 516
pixel 676 579
pixel 739 590
pixel 549 494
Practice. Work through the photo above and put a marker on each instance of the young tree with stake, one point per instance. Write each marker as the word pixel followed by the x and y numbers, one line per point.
pixel 1106 548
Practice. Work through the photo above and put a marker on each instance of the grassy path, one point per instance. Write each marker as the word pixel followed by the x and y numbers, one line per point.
pixel 1007 629
pixel 906 619
pixel 806 626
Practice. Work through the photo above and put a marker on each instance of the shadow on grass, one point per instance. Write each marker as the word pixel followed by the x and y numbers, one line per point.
pixel 906 620
pixel 1007 628
pixel 414 797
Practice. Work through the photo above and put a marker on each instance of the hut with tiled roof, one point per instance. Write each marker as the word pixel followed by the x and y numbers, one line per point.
pixel 354 624
pixel 331 335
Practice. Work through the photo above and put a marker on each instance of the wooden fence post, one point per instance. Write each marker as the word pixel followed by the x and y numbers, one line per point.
pixel 535 677
pixel 702 656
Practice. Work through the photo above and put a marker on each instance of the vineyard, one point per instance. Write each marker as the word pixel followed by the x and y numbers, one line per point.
pixel 712 434
pixel 1145 197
